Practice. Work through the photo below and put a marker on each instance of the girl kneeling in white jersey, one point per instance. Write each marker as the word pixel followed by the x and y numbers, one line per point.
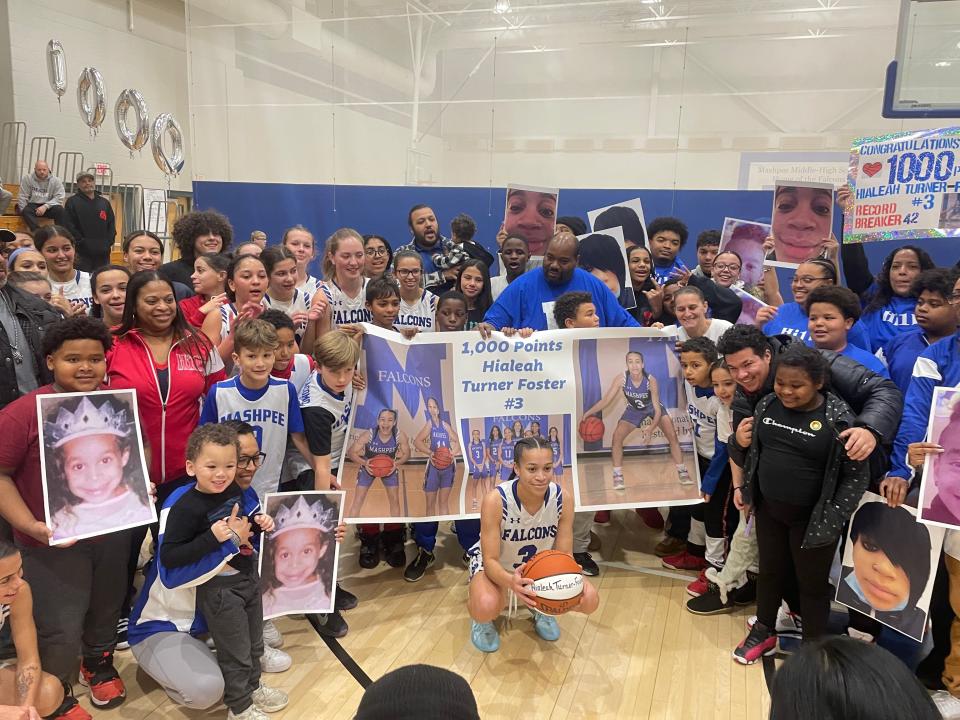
pixel 518 519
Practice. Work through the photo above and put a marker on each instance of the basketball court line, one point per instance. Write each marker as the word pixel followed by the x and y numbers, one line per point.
pixel 648 571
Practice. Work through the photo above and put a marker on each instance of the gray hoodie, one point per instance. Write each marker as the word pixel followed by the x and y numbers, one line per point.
pixel 41 192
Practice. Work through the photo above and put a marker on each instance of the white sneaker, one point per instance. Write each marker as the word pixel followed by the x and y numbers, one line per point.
pixel 274 661
pixel 251 713
pixel 684 475
pixel 618 483
pixel 788 623
pixel 271 635
pixel 269 699
pixel 947 704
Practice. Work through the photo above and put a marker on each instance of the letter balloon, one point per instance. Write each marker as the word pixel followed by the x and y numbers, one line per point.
pixel 136 138
pixel 163 125
pixel 93 109
pixel 57 68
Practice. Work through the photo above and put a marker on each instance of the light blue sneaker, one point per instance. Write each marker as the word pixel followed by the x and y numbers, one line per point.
pixel 485 637
pixel 546 626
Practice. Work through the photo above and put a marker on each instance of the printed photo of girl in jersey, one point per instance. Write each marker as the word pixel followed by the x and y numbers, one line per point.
pixel 94 476
pixel 438 440
pixel 490 451
pixel 889 564
pixel 403 459
pixel 379 451
pixel 298 562
pixel 635 439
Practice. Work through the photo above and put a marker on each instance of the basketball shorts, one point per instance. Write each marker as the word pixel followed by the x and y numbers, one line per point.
pixel 636 417
pixel 436 479
pixel 365 479
pixel 479 471
pixel 558 470
pixel 506 470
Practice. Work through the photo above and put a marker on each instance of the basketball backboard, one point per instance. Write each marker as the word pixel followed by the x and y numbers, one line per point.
pixel 924 79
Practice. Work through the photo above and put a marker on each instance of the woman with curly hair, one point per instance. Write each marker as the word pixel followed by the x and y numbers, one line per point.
pixel 197 232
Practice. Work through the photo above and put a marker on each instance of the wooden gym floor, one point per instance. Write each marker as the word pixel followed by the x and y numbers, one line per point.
pixel 641 655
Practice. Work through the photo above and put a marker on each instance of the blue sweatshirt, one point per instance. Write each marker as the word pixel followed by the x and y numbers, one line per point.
pixel 527 302
pixel 792 320
pixel 901 353
pixel 662 273
pixel 937 366
pixel 896 317
pixel 871 362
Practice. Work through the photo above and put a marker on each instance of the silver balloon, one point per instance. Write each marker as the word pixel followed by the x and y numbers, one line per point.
pixel 163 125
pixel 137 138
pixel 57 68
pixel 93 109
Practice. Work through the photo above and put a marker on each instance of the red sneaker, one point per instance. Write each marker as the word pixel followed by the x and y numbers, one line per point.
pixel 699 586
pixel 69 709
pixel 602 517
pixel 106 687
pixel 684 561
pixel 759 642
pixel 651 518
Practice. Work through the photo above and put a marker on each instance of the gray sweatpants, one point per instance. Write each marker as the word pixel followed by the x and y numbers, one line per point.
pixel 184 667
pixel 77 595
pixel 233 609
pixel 582 524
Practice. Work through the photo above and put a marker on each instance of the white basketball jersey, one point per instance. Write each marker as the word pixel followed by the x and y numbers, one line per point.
pixel 300 372
pixel 345 310
pixel 313 394
pixel 227 313
pixel 703 412
pixel 300 303
pixel 268 416
pixel 420 314
pixel 309 286
pixel 77 289
pixel 523 535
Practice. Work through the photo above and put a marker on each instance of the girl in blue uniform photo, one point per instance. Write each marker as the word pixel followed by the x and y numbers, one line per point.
pixel 494 441
pixel 640 390
pixel 438 481
pixel 555 446
pixel 387 440
pixel 479 464
pixel 506 455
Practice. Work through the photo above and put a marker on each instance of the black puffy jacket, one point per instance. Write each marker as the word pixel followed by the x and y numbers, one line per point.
pixel 876 401
pixel 34 316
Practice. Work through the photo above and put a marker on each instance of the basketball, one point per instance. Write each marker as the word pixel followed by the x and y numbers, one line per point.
pixel 591 428
pixel 381 466
pixel 557 581
pixel 442 458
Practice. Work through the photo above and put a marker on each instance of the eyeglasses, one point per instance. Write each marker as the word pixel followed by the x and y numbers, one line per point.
pixel 404 272
pixel 244 460
pixel 376 251
pixel 806 279
pixel 723 266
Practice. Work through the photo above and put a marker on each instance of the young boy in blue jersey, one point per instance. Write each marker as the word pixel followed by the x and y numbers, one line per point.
pixel 831 313
pixel 208 538
pixel 937 318
pixel 715 520
pixel 267 403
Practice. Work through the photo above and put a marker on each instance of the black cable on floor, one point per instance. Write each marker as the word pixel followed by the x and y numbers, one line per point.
pixel 340 654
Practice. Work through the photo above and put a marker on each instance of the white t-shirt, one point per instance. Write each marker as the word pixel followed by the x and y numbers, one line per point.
pixel 715 329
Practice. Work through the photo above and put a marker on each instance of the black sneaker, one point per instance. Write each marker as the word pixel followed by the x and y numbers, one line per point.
pixel 393 550
pixel 746 594
pixel 710 602
pixel 369 551
pixel 418 567
pixel 346 600
pixel 586 563
pixel 122 643
pixel 329 624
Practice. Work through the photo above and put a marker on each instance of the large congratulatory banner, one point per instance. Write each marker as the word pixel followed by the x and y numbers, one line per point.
pixel 906 186
pixel 434 429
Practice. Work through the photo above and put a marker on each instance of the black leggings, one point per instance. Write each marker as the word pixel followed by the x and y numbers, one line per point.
pixel 783 563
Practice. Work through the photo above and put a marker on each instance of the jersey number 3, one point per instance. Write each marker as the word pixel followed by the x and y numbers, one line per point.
pixel 525 553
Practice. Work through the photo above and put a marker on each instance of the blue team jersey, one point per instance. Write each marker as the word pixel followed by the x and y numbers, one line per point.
pixel 791 319
pixel 494 449
pixel 477 453
pixel 637 396
pixel 555 449
pixel 378 446
pixel 871 362
pixel 506 453
pixel 896 317
pixel 439 437
pixel 901 353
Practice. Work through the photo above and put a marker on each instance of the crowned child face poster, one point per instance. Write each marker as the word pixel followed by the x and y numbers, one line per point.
pixel 635 438
pixel 94 476
pixel 402 458
pixel 298 561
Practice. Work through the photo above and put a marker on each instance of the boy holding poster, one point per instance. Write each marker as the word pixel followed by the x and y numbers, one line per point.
pixel 77 590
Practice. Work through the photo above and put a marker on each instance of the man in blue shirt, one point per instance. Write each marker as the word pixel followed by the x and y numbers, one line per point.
pixel 527 302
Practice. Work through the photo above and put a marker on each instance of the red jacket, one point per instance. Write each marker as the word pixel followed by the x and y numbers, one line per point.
pixel 166 422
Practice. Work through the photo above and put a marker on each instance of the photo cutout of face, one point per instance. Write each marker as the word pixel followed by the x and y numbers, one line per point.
pixel 604 255
pixel 745 238
pixel 940 484
pixel 802 221
pixel 531 213
pixel 889 564
pixel 627 215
